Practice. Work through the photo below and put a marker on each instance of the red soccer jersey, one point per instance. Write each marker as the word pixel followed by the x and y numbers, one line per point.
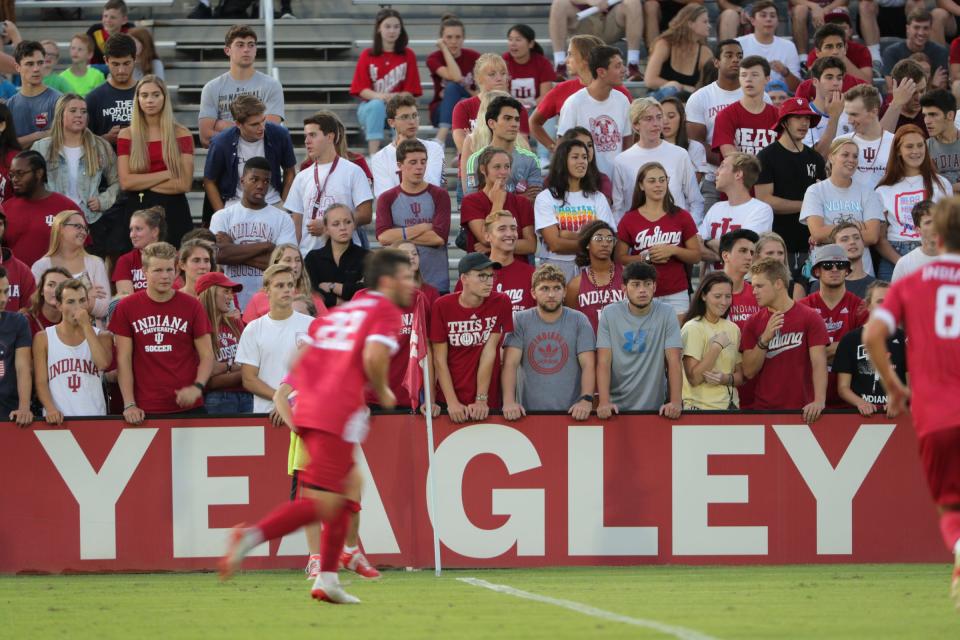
pixel 401 359
pixel 788 358
pixel 514 281
pixel 387 73
pixel 465 115
pixel 525 79
pixel 130 267
pixel 465 331
pixel 640 234
pixel 748 132
pixel 466 61
pixel 927 305
pixel 28 224
pixel 553 100
pixel 165 357
pixel 842 319
pixel 808 92
pixel 477 206
pixel 330 376
pixel 743 307
pixel 22 282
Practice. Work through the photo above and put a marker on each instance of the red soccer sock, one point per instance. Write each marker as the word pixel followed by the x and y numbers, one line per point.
pixel 331 541
pixel 288 517
pixel 950 528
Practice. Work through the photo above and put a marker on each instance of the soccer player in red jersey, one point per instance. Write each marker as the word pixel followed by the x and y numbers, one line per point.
pixel 350 348
pixel 927 305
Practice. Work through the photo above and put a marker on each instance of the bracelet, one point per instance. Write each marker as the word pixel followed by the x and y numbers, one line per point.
pixel 763 345
pixel 129 405
pixel 403 232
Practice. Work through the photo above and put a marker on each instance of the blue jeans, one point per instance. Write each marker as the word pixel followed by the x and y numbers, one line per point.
pixel 228 402
pixel 885 268
pixel 372 115
pixel 663 93
pixel 452 94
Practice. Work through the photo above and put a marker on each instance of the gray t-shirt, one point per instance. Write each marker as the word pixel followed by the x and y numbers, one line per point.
pixel 946 158
pixel 638 372
pixel 397 208
pixel 219 93
pixel 549 368
pixel 34 113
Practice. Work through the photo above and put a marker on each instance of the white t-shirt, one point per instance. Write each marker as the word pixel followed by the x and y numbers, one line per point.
pixel 781 50
pixel 681 173
pixel 702 108
pixel 874 155
pixel 911 262
pixel 245 151
pixel 383 166
pixel 271 345
pixel 73 170
pixel 857 202
pixel 247 226
pixel 607 121
pixel 348 185
pixel 576 210
pixel 723 217
pixel 899 200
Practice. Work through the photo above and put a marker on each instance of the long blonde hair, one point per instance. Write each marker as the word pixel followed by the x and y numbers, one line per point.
pixel 56 231
pixel 303 282
pixel 140 132
pixel 481 135
pixel 96 150
pixel 216 318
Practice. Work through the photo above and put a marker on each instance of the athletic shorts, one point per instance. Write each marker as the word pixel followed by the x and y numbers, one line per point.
pixel 331 458
pixel 601 25
pixel 940 455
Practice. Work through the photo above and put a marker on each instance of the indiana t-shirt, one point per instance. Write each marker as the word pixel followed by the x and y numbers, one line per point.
pixel 400 208
pixel 640 234
pixel 723 217
pixel 526 78
pixel 387 73
pixel 130 267
pixel 514 281
pixel 702 108
pixel 847 315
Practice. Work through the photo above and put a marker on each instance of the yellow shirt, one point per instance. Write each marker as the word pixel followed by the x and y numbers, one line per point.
pixel 696 335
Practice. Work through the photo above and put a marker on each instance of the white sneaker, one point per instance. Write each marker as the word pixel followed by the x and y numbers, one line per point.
pixel 333 594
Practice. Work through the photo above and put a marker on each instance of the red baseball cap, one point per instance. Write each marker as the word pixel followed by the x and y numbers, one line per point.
pixel 838 14
pixel 797 107
pixel 216 279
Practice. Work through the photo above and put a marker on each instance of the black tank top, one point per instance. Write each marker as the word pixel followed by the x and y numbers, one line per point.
pixel 668 73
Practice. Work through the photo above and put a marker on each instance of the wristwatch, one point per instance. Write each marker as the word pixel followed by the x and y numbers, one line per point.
pixel 199 385
pixel 481 397
pixel 587 398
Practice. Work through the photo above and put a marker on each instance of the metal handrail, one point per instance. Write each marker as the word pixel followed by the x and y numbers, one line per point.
pixel 266 12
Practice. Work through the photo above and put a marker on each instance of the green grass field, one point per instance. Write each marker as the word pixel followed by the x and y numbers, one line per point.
pixel 834 601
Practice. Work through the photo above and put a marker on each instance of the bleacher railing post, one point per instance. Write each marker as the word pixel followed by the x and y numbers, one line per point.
pixel 266 13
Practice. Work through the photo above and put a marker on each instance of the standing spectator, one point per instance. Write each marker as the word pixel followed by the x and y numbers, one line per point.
pixel 196 259
pixel 69 359
pixel 80 77
pixel 336 268
pixel 240 45
pixel 571 201
pixel 20 280
pixel 253 136
pixel 249 230
pixel 623 20
pixel 856 57
pixel 403 116
pixel 111 104
pixel 599 280
pixel 910 178
pixel 531 74
pixel 605 113
pixel 15 335
pixel 269 343
pixel 502 119
pixel 737 249
pixel 939 108
pixel 919 24
pixel 788 168
pixel 928 251
pixel 704 105
pixel 155 158
pixel 493 172
pixel 147 60
pixel 639 350
pixel 430 294
pixel 680 53
pixel 9 148
pixel 465 329
pixel 288 254
pixel 646 117
pixel 711 348
pixel 146 227
pixel 553 349
pixel 771 245
pixel 847 236
pixel 908 82
pixel 113 21
pixel 736 176
pixel 830 41
pixel 225 392
pixel 418 211
pixel 827 77
pixel 383 71
pixel 862 108
pixel 675 132
pixel 656 231
pixel 501 232
pixel 33 106
pixel 164 353
pixel 451 69
pixel 31 210
pixel 780 53
pixel 42 310
pixel 749 124
pixel 490 74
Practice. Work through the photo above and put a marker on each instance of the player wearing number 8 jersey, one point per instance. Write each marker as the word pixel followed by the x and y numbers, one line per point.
pixel 927 305
pixel 350 348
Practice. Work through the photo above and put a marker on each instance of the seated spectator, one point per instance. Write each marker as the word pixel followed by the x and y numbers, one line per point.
pixel 80 77
pixel 196 258
pixel 81 166
pixel 804 12
pixel 403 116
pixel 784 341
pixel 771 245
pixel 51 58
pixel 679 53
pixel 646 118
pixel 599 280
pixel 269 343
pixel 571 201
pixel 857 382
pixel 918 31
pixel 778 92
pixel 110 106
pixel 826 77
pixel 939 108
pixel 249 230
pixel 164 352
pixel 490 73
pixel 451 69
pixel 513 277
pixel 712 368
pixel 69 359
pixel 847 236
pixel 856 57
pixel 113 20
pixel 500 129
pixel 32 107
pixel 656 231
pixel 910 178
pixel 15 389
pixel 583 135
pixel 465 329
pixel 737 249
pixel 749 124
pixel 531 74
pixel 493 173
pixel 146 227
pixel 638 350
pixel 68 235
pixel 155 159
pixel 780 53
pixel 336 268
pixel 252 137
pixel 902 107
pixel 735 178
pixel 537 347
pixel 9 148
pixel 675 132
pixel 601 110
pixel 861 105
pixel 42 310
pixel 31 210
pixel 147 60
pixel 418 211
pixel 383 71
pixel 288 254
pixel 225 392
pixel 928 251
pixel 240 45
pixel 430 294
pixel 830 41
pixel 623 20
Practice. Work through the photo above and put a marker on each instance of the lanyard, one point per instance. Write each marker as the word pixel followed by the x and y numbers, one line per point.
pixel 321 188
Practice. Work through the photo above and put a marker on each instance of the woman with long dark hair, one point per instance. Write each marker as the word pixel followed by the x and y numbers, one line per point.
pixel 600 279
pixel 493 173
pixel 531 74
pixel 195 259
pixel 602 179
pixel 9 147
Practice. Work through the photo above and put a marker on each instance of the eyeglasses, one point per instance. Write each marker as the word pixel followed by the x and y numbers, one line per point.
pixel 604 238
pixel 20 174
pixel 834 266
pixel 407 117
pixel 78 226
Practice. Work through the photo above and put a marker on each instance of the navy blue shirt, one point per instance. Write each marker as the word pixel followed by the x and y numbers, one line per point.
pixel 14 334
pixel 221 164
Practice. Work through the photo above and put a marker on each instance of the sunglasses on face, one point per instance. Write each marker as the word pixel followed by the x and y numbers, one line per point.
pixel 834 266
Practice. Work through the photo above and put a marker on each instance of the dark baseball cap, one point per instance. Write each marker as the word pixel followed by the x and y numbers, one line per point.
pixel 476 262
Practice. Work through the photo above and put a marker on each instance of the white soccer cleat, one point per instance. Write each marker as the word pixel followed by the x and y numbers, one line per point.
pixel 333 594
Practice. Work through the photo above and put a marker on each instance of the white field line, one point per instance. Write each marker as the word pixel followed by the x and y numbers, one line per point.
pixel 587 610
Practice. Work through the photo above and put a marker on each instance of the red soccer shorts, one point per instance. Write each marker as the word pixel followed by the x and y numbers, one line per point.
pixel 331 458
pixel 940 455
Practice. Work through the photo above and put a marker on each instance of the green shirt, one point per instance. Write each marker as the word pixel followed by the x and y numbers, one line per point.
pixel 54 81
pixel 83 84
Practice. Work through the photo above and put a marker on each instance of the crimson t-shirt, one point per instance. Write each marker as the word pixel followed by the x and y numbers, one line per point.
pixel 743 307
pixel 786 379
pixel 225 347
pixel 549 106
pixel 22 282
pixel 465 331
pixel 401 359
pixel 639 234
pixel 955 51
pixel 748 132
pixel 526 78
pixel 130 267
pixel 468 58
pixel 841 320
pixel 165 357
pixel 477 206
pixel 858 54
pixel 466 112
pixel 29 222
pixel 515 281
pixel 387 73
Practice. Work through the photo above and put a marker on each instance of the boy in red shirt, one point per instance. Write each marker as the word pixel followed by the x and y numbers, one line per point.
pixel 749 124
pixel 514 277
